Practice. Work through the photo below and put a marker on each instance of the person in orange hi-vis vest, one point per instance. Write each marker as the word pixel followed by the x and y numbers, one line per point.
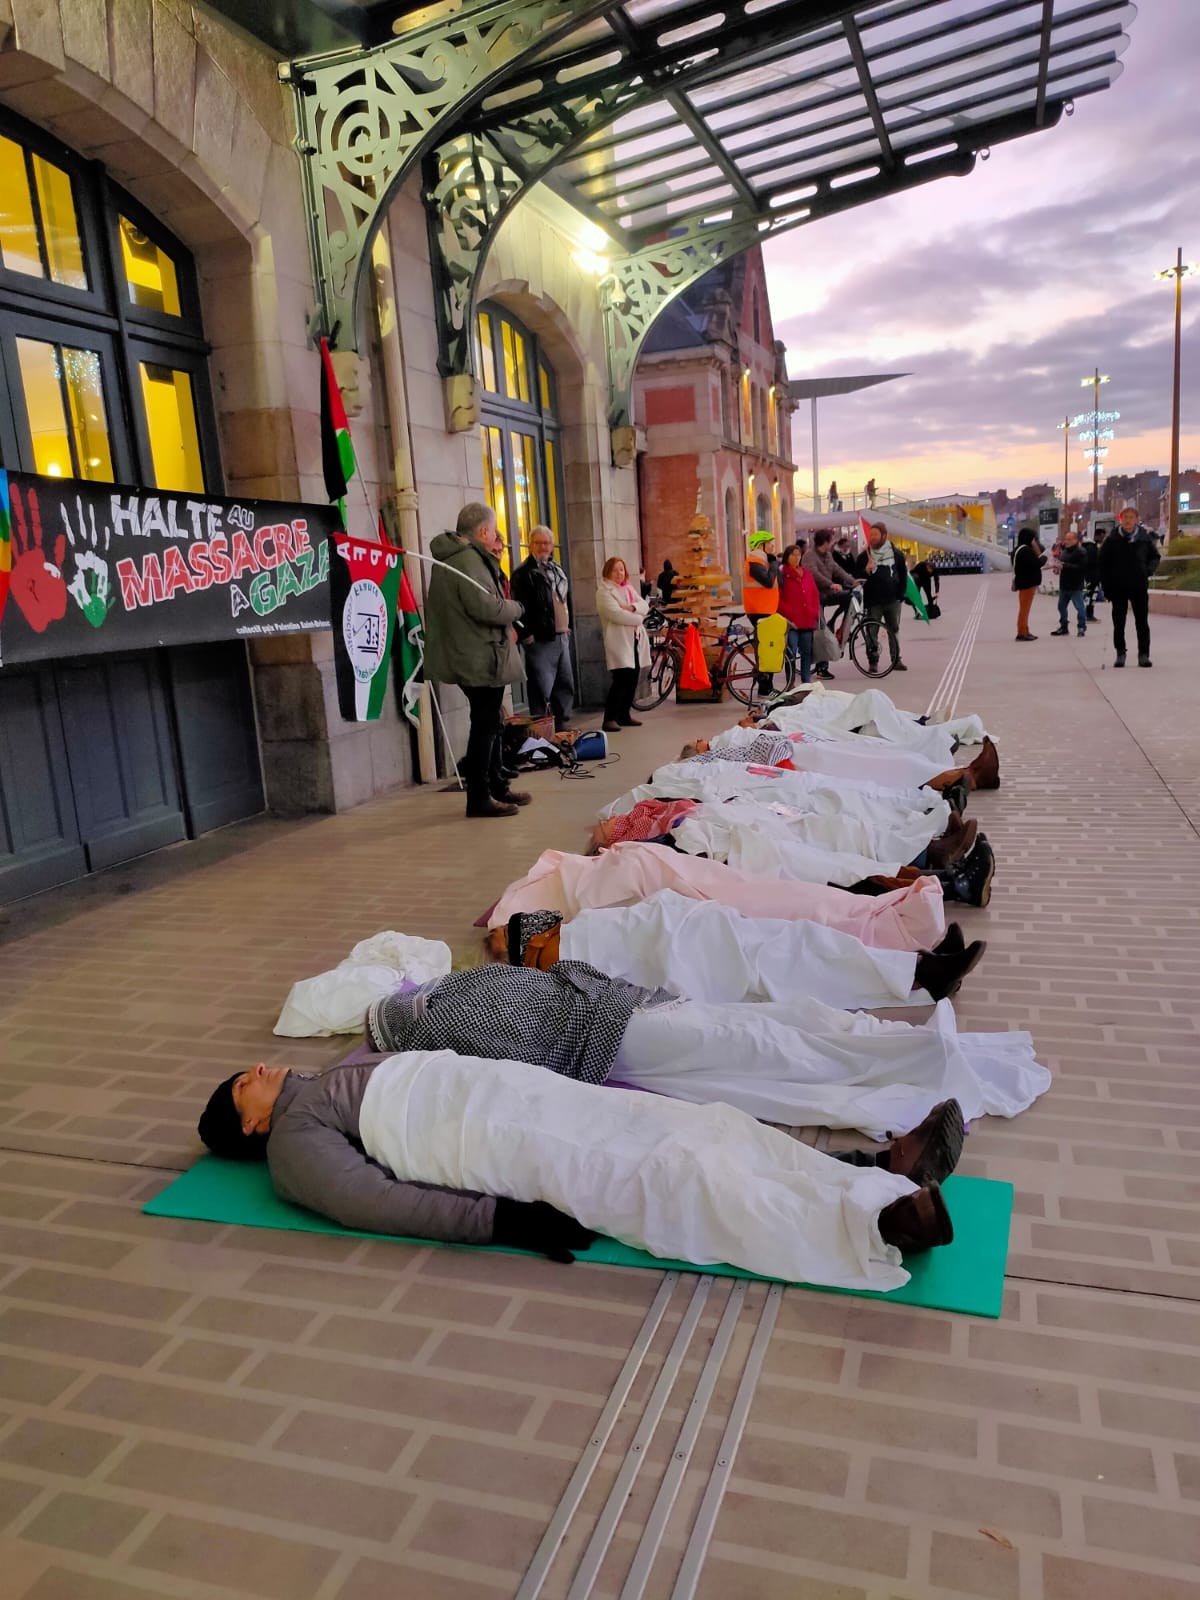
pixel 760 587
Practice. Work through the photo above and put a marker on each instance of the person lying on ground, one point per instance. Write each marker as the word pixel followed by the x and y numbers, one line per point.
pixel 750 743
pixel 873 715
pixel 748 993
pixel 432 1145
pixel 857 816
pixel 796 1061
pixel 911 918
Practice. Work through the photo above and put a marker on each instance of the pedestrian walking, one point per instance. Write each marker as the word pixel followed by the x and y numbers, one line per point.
pixel 800 607
pixel 1072 584
pixel 1127 561
pixel 540 584
pixel 626 644
pixel 470 642
pixel 1028 561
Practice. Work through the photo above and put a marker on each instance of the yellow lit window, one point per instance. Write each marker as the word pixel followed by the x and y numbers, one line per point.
pixel 39 228
pixel 63 390
pixel 747 409
pixel 552 492
pixel 516 363
pixel 772 422
pixel 750 518
pixel 493 478
pixel 775 523
pixel 487 353
pixel 149 271
pixel 171 424
pixel 525 487
pixel 546 388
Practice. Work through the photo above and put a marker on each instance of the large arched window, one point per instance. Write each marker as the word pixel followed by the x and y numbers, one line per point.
pixel 102 362
pixel 522 456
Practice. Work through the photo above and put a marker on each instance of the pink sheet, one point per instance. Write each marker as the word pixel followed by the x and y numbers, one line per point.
pixel 906 919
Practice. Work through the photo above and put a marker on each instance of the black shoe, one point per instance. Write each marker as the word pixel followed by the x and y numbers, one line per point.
pixel 898 666
pixel 1081 633
pixel 955 795
pixel 630 722
pixel 952 943
pixel 969 882
pixel 1060 633
pixel 509 775
pixel 1090 614
pixel 917 1222
pixel 930 1152
pixel 942 975
pixel 1144 661
pixel 1120 661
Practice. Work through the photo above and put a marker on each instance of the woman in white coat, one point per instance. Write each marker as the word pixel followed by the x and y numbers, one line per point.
pixel 626 645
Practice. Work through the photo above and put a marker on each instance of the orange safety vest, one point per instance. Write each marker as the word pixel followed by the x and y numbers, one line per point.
pixel 759 602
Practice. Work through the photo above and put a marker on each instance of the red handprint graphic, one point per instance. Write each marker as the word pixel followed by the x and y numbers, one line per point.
pixel 36 584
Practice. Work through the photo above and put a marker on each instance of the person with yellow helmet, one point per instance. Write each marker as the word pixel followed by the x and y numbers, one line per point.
pixel 760 587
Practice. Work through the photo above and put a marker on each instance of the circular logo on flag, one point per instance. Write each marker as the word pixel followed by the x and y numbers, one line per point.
pixel 365 628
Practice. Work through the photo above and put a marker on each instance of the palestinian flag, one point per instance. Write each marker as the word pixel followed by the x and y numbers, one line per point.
pixel 364 588
pixel 915 598
pixel 5 542
pixel 411 645
pixel 337 448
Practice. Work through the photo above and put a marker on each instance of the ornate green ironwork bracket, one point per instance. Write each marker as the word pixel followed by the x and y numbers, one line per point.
pixel 366 118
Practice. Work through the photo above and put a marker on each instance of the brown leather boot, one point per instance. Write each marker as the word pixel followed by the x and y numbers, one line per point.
pixel 917 1222
pixel 984 771
pixel 941 973
pixel 491 808
pixel 929 1154
pixel 957 841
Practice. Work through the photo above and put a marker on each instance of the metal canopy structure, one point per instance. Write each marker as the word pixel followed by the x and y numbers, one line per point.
pixel 685 130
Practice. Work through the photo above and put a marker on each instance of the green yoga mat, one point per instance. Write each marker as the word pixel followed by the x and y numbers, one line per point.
pixel 967 1275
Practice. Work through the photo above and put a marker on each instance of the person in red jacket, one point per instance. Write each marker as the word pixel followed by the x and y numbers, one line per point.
pixel 800 605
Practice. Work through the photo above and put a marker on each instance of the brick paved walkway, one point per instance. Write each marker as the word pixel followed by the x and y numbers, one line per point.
pixel 193 1411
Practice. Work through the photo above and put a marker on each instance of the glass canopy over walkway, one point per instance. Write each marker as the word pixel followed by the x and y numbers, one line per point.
pixel 684 130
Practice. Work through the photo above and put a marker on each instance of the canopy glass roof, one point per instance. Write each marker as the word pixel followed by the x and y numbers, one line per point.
pixel 737 111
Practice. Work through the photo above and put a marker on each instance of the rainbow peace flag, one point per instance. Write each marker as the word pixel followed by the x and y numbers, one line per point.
pixel 5 540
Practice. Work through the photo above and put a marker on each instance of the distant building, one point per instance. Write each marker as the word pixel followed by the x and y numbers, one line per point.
pixel 712 406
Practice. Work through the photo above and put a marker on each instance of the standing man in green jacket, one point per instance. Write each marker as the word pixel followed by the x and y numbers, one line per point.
pixel 470 642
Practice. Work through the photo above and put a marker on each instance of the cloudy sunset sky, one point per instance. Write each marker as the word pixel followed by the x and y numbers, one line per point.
pixel 998 291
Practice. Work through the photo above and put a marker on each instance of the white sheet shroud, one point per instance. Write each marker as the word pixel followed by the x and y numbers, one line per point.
pixel 698 1183
pixel 840 716
pixel 761 842
pixel 822 756
pixel 336 1001
pixel 911 918
pixel 799 1059
pixel 849 815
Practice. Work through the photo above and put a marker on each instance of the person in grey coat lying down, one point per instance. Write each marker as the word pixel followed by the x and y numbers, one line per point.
pixel 433 1145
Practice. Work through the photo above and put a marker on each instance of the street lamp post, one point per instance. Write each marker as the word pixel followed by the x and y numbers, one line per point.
pixel 1064 428
pixel 1179 272
pixel 1094 382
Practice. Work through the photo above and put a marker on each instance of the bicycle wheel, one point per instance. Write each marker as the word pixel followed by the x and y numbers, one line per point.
pixel 657 680
pixel 741 675
pixel 863 648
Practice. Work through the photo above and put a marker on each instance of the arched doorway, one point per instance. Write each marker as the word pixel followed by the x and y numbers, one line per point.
pixel 103 378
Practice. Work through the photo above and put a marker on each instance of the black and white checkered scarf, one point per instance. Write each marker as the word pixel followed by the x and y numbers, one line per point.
pixel 570 1019
pixel 768 750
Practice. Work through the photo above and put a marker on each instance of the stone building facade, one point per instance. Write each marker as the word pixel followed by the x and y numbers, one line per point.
pixel 711 397
pixel 174 115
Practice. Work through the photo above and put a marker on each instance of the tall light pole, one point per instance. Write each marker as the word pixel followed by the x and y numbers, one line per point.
pixel 1093 383
pixel 1064 428
pixel 1179 272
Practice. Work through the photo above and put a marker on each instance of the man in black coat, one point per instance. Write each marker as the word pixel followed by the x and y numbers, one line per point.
pixel 1128 559
pixel 883 568
pixel 540 585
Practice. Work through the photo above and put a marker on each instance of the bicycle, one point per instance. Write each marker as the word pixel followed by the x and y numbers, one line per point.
pixel 736 667
pixel 858 636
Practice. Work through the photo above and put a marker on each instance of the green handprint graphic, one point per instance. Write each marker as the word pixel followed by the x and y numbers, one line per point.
pixel 89 587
